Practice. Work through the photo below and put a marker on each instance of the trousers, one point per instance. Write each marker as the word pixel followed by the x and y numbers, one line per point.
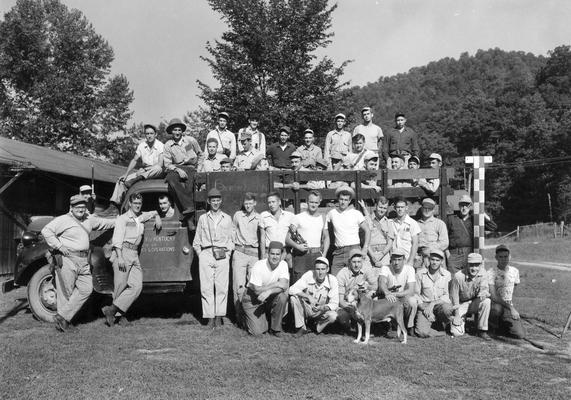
pixel 128 284
pixel 478 307
pixel 424 328
pixel 214 275
pixel 153 171
pixel 183 190
pixel 73 285
pixel 256 313
pixel 302 312
pixel 242 263
pixel 501 320
pixel 301 263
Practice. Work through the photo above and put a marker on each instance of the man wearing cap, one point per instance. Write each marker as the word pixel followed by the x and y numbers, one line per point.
pixel 406 230
pixel 86 192
pixel 397 162
pixel 502 279
pixel 470 295
pixel 431 185
pixel 226 139
pixel 309 151
pixel 182 155
pixel 225 165
pixel 373 133
pixel 149 155
pixel 258 139
pixel 433 233
pixel 337 140
pixel 248 157
pixel 315 297
pixel 274 223
pixel 372 165
pixel 400 140
pixel 304 237
pixel 279 153
pixel 346 224
pixel 287 180
pixel 321 164
pixel 213 244
pixel 352 276
pixel 434 308
pixel 397 282
pixel 460 228
pixel 267 293
pixel 68 238
pixel 382 235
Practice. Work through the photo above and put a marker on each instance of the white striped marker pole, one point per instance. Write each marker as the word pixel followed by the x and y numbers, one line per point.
pixel 478 199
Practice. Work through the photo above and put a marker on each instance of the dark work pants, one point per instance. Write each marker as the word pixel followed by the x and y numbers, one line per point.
pixel 256 312
pixel 183 190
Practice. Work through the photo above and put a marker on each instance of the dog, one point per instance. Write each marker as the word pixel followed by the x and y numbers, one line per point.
pixel 367 311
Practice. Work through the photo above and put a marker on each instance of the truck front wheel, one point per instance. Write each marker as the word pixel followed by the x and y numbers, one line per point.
pixel 42 294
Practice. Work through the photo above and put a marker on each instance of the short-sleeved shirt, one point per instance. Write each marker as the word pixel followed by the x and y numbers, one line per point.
pixel 326 293
pixel 404 232
pixel 356 160
pixel 149 155
pixel 130 228
pixel 276 229
pixel 244 160
pixel 372 135
pixel 310 227
pixel 309 155
pixel 504 281
pixel 228 141
pixel 465 288
pixel 381 230
pixel 262 275
pixel 345 226
pixel 258 140
pixel 211 164
pixel 185 152
pixel 347 279
pixel 433 287
pixel 280 156
pixel 407 275
pixel 337 142
pixel 246 228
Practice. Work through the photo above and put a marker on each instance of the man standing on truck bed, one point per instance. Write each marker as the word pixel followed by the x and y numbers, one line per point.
pixel 226 139
pixel 68 237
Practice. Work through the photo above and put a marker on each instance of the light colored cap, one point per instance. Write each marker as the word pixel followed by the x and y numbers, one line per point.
pixel 355 253
pixel 370 156
pixel 308 131
pixel 345 190
pixel 428 203
pixel 475 258
pixel 465 199
pixel 85 188
pixel 415 159
pixel 295 154
pixel 435 156
pixel 321 161
pixel 437 252
pixel 365 109
pixel 77 199
pixel 322 260
pixel 340 115
pixel 224 115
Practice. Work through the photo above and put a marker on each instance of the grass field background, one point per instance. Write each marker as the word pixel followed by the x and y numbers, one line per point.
pixel 174 356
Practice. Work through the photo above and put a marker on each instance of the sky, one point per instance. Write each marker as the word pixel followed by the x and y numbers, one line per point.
pixel 158 43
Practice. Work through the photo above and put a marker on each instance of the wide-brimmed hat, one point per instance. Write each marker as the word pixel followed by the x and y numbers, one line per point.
pixel 175 122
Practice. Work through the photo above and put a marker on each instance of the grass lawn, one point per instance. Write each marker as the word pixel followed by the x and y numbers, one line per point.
pixel 552 250
pixel 175 358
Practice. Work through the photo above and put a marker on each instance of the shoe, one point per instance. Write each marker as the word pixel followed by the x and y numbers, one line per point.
pixel 109 313
pixel 124 322
pixel 60 322
pixel 300 332
pixel 211 323
pixel 275 333
pixel 484 335
pixel 410 331
pixel 219 321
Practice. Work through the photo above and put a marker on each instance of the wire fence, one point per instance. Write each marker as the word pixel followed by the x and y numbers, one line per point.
pixel 540 230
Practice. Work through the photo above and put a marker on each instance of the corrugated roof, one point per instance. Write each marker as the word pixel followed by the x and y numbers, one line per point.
pixel 44 159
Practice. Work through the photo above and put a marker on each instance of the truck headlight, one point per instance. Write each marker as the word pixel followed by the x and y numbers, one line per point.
pixel 29 238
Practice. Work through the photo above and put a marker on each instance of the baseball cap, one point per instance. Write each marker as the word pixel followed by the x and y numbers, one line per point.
pixel 428 203
pixel 275 245
pixel 502 247
pixel 214 193
pixel 437 252
pixel 465 199
pixel 322 260
pixel 85 188
pixel 435 156
pixel 77 199
pixel 474 258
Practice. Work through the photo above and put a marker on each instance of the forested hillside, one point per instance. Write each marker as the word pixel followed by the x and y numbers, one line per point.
pixel 513 106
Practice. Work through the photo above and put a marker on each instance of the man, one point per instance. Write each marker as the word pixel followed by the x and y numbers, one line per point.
pixel 460 228
pixel 352 276
pixel 213 245
pixel 397 162
pixel 248 157
pixel 346 223
pixel 433 233
pixel 225 165
pixel 382 236
pixel 502 279
pixel 266 295
pixel 356 159
pixel 413 162
pixel 287 180
pixel 274 223
pixel 127 273
pixel 68 238
pixel 337 140
pixel 470 295
pixel 397 281
pixel 226 139
pixel 150 155
pixel 373 133
pixel 246 247
pixel 406 230
pixel 400 140
pixel 371 164
pixel 315 297
pixel 309 152
pixel 211 162
pixel 431 185
pixel 258 139
pixel 87 192
pixel 321 164
pixel 166 212
pixel 433 298
pixel 307 228
pixel 279 153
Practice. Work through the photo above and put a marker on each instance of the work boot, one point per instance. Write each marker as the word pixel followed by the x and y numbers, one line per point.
pixel 211 323
pixel 277 334
pixel 60 323
pixel 123 321
pixel 300 332
pixel 219 321
pixel 109 313
pixel 484 335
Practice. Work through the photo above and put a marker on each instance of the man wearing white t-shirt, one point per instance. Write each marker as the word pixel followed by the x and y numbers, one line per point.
pixel 267 294
pixel 307 228
pixel 406 231
pixel 275 223
pixel 373 133
pixel 346 224
pixel 397 282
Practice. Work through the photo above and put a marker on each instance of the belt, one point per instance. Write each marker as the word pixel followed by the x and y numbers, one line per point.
pixel 130 246
pixel 346 247
pixel 460 250
pixel 313 250
pixel 79 253
pixel 247 249
pixel 377 247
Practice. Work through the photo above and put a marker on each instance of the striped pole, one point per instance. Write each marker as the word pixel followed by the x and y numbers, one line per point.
pixel 478 199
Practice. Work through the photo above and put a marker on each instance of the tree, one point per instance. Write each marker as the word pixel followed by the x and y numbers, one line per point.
pixel 266 63
pixel 54 89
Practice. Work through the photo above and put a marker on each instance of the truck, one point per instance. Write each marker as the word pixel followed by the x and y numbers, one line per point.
pixel 167 258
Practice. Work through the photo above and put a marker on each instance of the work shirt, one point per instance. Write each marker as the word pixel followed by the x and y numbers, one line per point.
pixel 213 230
pixel 65 231
pixel 310 227
pixel 130 228
pixel 406 275
pixel 211 164
pixel 431 288
pixel 278 156
pixel 380 229
pixel 397 142
pixel 276 229
pixel 309 155
pixel 226 140
pixel 465 288
pixel 347 280
pixel 245 159
pixel 149 155
pixel 372 135
pixel 504 281
pixel 337 142
pixel 356 160
pixel 460 231
pixel 184 153
pixel 404 232
pixel 246 228
pixel 433 233
pixel 345 226
pixel 326 292
pixel 258 140
pixel 262 275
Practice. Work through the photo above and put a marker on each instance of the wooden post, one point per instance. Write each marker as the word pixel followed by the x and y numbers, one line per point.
pixel 479 199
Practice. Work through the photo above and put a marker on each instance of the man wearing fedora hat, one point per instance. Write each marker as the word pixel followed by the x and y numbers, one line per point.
pixel 149 155
pixel 226 139
pixel 182 155
pixel 337 140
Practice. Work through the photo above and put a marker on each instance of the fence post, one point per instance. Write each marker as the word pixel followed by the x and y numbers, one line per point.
pixel 517 233
pixel 478 199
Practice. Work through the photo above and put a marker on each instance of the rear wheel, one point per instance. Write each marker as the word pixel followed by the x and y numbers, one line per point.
pixel 42 294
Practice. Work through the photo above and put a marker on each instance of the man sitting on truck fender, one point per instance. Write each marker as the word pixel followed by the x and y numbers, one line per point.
pixel 68 235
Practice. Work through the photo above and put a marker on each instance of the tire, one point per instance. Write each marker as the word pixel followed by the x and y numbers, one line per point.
pixel 42 294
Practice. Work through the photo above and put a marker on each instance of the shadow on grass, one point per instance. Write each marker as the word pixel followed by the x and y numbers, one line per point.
pixel 534 321
pixel 22 305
